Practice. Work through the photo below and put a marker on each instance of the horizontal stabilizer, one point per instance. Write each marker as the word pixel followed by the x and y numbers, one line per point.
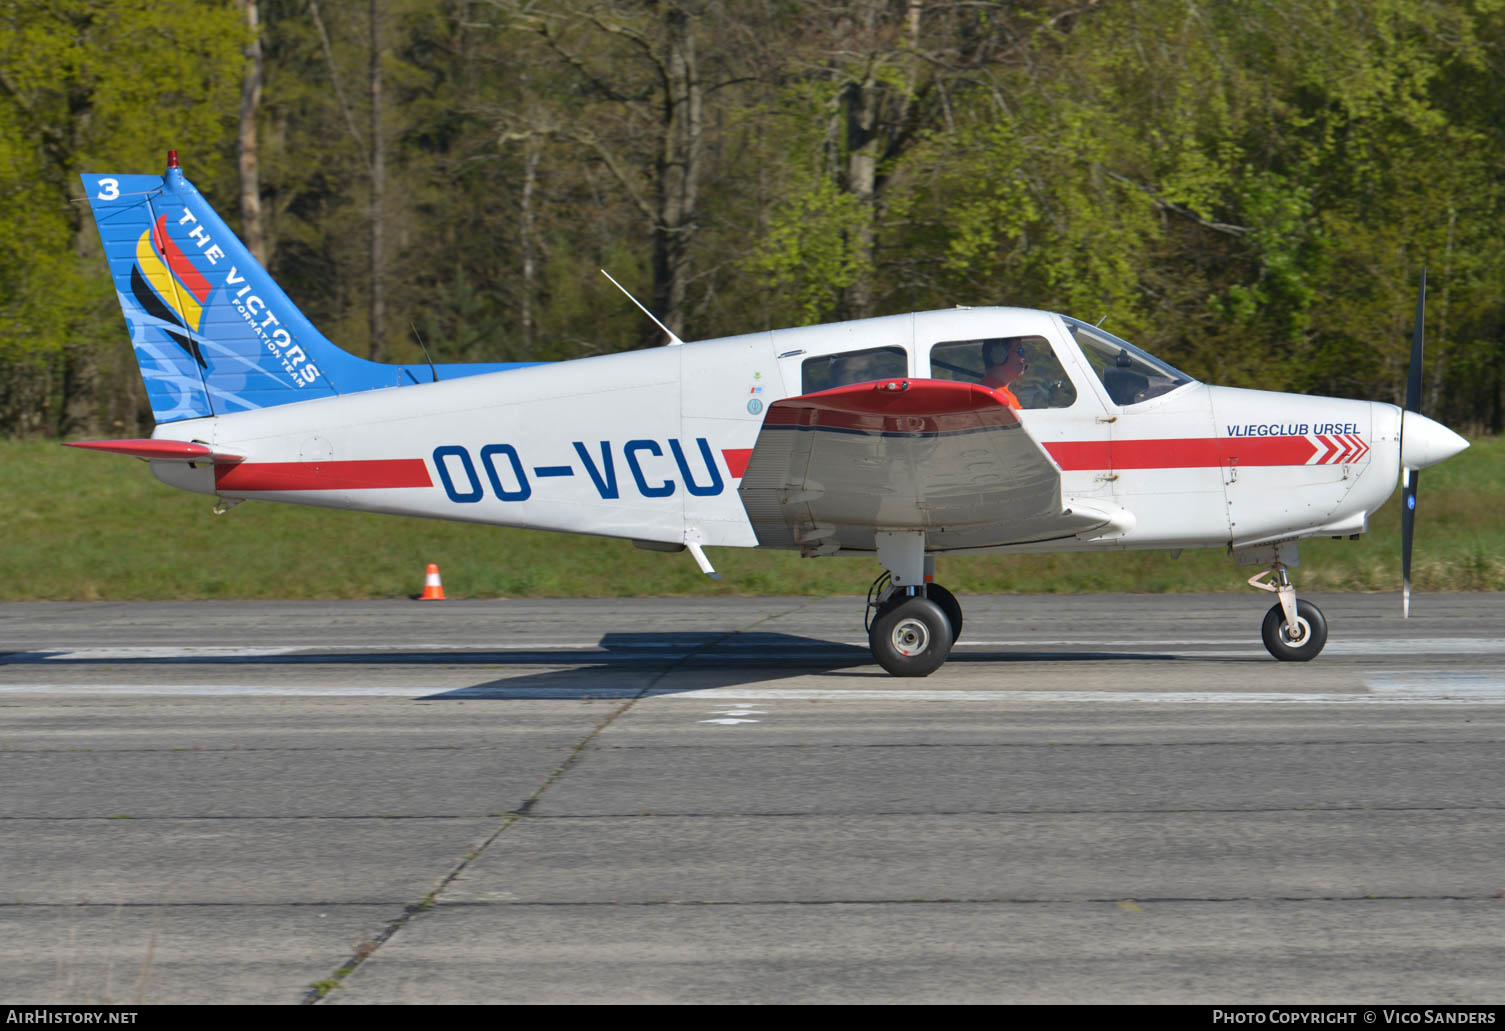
pixel 161 450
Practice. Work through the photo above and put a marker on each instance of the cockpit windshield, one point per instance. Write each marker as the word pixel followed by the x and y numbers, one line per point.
pixel 1129 374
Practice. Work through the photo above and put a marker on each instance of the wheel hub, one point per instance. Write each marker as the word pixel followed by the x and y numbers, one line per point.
pixel 910 637
pixel 1294 635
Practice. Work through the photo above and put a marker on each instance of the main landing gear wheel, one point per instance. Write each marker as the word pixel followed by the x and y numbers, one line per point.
pixel 911 638
pixel 942 597
pixel 1300 643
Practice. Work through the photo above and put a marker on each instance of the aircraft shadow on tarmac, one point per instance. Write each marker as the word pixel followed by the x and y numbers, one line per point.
pixel 703 661
pixel 623 665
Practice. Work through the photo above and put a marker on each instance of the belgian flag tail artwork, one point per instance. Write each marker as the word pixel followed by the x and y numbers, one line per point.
pixel 213 333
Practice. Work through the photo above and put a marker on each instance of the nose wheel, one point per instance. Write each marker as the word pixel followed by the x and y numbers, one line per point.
pixel 1293 631
pixel 1298 642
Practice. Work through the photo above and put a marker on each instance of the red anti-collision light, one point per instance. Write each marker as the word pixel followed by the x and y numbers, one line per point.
pixel 172 159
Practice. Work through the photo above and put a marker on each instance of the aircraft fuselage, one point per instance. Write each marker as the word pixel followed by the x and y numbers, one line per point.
pixel 652 445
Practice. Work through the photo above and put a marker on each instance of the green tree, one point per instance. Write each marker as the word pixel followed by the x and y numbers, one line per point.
pixel 93 85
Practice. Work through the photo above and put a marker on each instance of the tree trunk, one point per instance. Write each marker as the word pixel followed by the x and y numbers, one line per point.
pixel 378 184
pixel 861 103
pixel 527 232
pixel 77 413
pixel 250 102
pixel 873 135
pixel 678 178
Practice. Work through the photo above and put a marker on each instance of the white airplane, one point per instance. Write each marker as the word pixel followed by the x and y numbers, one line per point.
pixel 969 430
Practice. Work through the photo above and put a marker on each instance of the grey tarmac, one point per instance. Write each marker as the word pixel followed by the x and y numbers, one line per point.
pixel 1098 799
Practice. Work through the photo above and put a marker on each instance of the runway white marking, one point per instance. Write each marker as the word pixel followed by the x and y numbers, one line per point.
pixel 212 690
pixel 1184 648
pixel 141 652
pixel 377 649
pixel 1416 688
pixel 1386 687
pixel 1426 682
pixel 1412 645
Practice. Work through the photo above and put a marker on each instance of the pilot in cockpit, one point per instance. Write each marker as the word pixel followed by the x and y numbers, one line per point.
pixel 1004 360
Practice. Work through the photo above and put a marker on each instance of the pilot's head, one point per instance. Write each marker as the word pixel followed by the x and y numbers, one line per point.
pixel 1004 359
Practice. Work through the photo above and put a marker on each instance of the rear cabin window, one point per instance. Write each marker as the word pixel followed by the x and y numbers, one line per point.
pixel 1038 380
pixel 838 370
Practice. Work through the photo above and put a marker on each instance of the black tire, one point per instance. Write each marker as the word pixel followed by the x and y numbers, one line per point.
pixel 912 638
pixel 949 605
pixel 938 594
pixel 1276 635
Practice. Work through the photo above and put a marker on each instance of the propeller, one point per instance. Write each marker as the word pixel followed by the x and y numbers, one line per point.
pixel 1423 442
pixel 1411 477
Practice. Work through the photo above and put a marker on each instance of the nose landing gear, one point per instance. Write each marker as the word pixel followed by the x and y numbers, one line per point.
pixel 1293 631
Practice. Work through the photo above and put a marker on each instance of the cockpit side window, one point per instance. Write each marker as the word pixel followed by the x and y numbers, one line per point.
pixel 839 370
pixel 1129 374
pixel 1026 366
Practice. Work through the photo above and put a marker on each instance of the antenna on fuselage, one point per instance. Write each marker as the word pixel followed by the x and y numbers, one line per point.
pixel 419 337
pixel 674 341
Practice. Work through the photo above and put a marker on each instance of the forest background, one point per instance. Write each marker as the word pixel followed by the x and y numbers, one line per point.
pixel 1248 189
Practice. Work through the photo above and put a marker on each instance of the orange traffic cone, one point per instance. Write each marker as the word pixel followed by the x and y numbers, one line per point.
pixel 433 590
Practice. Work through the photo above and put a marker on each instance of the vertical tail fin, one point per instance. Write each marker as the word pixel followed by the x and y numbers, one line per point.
pixel 213 333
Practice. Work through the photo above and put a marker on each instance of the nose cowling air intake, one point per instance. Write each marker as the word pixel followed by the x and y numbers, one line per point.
pixel 1426 442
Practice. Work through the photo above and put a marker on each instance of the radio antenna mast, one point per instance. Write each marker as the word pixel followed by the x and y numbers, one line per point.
pixel 674 341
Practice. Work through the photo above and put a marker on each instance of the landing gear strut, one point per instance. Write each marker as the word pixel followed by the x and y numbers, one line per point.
pixel 911 621
pixel 1293 631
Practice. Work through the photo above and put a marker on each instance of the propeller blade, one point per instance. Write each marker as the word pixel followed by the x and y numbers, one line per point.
pixel 1413 374
pixel 1411 477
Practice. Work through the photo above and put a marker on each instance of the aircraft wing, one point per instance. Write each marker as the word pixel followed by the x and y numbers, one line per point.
pixel 832 468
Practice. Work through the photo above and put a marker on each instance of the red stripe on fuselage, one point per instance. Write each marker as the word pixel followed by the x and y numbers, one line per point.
pixel 176 260
pixel 361 475
pixel 1180 453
